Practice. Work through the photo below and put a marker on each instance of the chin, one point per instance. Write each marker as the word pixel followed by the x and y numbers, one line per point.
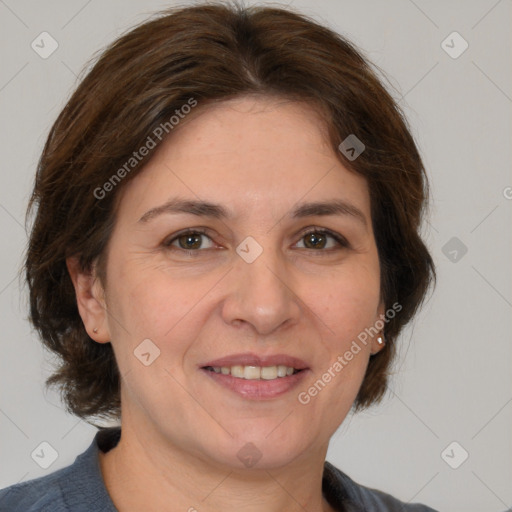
pixel 259 449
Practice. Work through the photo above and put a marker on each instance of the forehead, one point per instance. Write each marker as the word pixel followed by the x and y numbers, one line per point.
pixel 257 155
pixel 255 125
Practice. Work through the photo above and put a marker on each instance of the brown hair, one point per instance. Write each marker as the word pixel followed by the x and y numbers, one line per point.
pixel 210 52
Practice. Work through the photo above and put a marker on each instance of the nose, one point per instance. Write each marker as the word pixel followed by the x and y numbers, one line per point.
pixel 261 294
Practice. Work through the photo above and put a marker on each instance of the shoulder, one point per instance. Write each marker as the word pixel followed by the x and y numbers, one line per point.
pixel 42 494
pixel 78 487
pixel 362 498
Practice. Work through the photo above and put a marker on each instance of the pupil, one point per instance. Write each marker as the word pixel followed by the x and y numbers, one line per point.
pixel 191 238
pixel 316 240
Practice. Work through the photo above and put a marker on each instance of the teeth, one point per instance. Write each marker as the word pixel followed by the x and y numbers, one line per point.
pixel 269 372
pixel 237 371
pixel 254 372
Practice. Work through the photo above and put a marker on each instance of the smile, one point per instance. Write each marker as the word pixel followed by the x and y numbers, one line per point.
pixel 254 372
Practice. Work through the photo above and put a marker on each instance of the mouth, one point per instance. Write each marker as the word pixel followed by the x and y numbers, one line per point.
pixel 249 372
pixel 256 377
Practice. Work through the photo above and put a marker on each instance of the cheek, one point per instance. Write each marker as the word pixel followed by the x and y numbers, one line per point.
pixel 350 304
pixel 140 296
pixel 148 305
pixel 146 302
pixel 346 305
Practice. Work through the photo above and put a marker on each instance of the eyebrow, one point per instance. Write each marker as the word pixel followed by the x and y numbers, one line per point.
pixel 216 211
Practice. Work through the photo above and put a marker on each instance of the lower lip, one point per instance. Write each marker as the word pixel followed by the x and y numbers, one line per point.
pixel 258 389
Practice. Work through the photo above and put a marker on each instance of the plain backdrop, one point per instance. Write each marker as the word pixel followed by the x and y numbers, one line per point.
pixel 452 380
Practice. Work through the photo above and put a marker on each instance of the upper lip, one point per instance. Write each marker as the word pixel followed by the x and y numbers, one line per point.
pixel 251 359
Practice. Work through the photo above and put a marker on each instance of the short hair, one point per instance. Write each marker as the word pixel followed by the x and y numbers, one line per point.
pixel 211 53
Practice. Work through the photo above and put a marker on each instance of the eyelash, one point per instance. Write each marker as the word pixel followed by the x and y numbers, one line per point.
pixel 200 231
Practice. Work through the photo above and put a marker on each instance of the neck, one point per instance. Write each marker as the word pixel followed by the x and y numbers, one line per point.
pixel 154 476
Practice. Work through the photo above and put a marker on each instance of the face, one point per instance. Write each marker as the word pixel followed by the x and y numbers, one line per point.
pixel 223 261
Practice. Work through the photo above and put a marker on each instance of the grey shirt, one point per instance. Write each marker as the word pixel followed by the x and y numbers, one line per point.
pixel 79 487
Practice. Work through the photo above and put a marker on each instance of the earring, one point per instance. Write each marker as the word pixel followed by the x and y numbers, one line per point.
pixel 380 341
pixel 95 330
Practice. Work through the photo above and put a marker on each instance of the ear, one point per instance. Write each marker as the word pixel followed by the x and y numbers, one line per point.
pixel 381 315
pixel 90 298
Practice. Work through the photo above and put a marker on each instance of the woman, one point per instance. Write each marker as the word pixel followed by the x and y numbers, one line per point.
pixel 224 251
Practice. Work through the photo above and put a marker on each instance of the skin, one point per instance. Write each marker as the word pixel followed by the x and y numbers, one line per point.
pixel 181 431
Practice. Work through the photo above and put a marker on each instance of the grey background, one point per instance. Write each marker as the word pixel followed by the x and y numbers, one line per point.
pixel 452 380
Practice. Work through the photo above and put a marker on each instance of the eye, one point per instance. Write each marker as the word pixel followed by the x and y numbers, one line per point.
pixel 318 238
pixel 189 241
